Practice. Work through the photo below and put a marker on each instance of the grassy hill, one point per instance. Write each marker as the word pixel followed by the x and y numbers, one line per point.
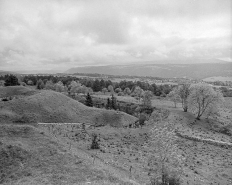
pixel 28 156
pixel 52 107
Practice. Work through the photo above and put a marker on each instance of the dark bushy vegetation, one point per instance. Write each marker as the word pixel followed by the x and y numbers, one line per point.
pixel 95 144
pixel 11 80
pixel 88 101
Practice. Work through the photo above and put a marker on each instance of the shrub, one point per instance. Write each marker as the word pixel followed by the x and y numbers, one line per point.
pixel 95 144
pixel 142 119
pixel 167 179
pixel 88 101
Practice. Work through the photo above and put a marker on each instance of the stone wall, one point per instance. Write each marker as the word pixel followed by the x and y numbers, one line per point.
pixel 208 141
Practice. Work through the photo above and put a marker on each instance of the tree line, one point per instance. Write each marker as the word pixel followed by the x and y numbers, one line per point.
pixel 122 87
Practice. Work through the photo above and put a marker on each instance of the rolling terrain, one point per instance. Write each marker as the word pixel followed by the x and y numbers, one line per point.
pixel 61 154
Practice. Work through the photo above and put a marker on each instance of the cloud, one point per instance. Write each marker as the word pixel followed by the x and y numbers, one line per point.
pixel 66 33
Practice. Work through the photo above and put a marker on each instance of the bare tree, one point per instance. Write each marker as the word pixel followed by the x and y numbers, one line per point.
pixel 203 99
pixel 147 95
pixel 174 96
pixel 138 92
pixel 183 92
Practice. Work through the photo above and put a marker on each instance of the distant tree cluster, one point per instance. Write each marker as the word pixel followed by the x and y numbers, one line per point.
pixel 9 80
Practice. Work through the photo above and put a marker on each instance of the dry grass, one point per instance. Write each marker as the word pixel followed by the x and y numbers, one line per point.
pixel 33 158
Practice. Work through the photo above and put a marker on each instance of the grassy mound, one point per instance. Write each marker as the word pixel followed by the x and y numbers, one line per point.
pixel 53 107
pixel 12 91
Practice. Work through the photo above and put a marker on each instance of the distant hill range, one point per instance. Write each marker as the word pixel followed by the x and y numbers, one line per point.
pixel 195 71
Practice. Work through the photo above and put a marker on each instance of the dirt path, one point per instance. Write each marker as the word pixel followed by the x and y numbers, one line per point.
pixel 97 162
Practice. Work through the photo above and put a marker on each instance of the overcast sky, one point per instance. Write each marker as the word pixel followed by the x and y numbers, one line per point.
pixel 59 34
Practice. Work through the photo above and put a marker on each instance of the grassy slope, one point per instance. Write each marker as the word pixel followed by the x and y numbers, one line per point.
pixel 123 148
pixel 50 106
pixel 16 91
pixel 28 156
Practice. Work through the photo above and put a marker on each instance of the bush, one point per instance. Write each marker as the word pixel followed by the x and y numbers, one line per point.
pixel 95 144
pixel 11 80
pixel 142 119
